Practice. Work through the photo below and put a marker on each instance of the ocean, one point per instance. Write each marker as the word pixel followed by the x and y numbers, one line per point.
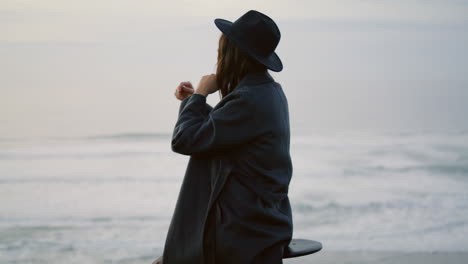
pixel 110 198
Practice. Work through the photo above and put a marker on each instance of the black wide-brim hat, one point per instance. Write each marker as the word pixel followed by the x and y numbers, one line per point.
pixel 257 35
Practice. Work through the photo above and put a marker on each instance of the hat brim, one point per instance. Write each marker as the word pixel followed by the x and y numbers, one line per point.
pixel 272 62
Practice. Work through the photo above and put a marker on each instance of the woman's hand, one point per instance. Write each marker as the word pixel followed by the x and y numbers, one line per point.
pixel 207 85
pixel 184 90
pixel 158 261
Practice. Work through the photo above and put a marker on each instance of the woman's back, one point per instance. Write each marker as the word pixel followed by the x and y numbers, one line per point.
pixel 265 162
pixel 254 218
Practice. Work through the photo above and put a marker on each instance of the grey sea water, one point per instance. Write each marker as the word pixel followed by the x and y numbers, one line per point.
pixel 110 198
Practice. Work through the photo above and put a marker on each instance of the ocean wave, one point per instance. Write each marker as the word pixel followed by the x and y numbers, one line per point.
pixel 130 136
pixel 114 136
pixel 460 169
pixel 78 155
pixel 55 223
pixel 304 207
pixel 442 227
pixel 109 180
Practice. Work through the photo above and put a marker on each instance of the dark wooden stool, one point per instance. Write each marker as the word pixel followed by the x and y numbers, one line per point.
pixel 301 247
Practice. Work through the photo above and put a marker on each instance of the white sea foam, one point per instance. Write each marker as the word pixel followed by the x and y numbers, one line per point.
pixel 110 198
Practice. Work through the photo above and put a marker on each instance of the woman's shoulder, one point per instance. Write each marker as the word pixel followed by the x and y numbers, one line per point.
pixel 252 98
pixel 250 87
pixel 258 92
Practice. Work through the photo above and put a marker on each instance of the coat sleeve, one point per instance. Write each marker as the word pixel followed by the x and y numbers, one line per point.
pixel 208 108
pixel 199 131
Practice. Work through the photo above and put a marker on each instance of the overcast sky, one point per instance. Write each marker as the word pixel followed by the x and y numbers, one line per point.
pixel 102 67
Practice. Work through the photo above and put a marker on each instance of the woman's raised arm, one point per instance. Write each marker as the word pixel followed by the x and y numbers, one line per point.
pixel 227 125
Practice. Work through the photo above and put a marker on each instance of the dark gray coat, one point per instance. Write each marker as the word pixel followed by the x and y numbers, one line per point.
pixel 233 205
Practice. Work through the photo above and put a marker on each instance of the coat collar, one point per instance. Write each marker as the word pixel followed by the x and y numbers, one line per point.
pixel 255 78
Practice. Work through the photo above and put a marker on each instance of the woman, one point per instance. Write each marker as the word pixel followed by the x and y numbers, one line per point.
pixel 233 205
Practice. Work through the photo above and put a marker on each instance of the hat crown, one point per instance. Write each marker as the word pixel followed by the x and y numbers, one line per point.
pixel 257 35
pixel 257 31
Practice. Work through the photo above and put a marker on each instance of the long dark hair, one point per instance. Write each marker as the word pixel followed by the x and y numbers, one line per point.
pixel 232 65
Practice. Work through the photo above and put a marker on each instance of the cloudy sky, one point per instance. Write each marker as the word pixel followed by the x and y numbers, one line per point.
pixel 72 68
